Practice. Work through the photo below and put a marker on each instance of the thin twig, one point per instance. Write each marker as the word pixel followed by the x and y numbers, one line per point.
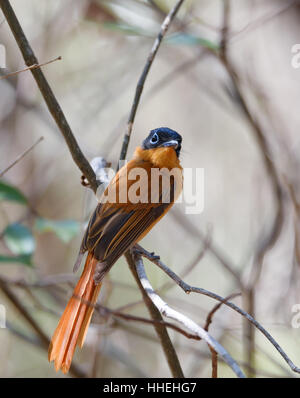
pixel 192 289
pixel 199 256
pixel 216 308
pixel 20 157
pixel 212 248
pixel 214 354
pixel 260 21
pixel 134 318
pixel 139 250
pixel 48 95
pixel 105 312
pixel 156 88
pixel 140 85
pixel 44 339
pixel 22 310
pixel 214 363
pixel 35 341
pixel 29 68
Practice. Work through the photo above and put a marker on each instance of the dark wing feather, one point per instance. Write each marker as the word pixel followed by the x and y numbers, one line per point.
pixel 109 240
pixel 115 227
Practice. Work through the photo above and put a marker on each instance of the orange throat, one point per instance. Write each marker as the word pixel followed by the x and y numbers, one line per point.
pixel 159 157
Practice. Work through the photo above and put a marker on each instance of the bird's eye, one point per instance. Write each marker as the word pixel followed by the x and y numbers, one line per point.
pixel 154 139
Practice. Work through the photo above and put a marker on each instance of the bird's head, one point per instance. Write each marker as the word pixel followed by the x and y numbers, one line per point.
pixel 163 137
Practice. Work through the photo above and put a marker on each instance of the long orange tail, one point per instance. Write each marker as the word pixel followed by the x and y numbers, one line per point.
pixel 74 322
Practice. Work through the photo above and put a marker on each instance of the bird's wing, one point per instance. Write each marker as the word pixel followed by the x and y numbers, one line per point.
pixel 121 230
pixel 115 227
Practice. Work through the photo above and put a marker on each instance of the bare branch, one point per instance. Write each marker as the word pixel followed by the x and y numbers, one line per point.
pixel 260 21
pixel 140 85
pixel 29 68
pixel 199 256
pixel 169 312
pixel 161 330
pixel 216 308
pixel 214 354
pixel 48 95
pixel 45 341
pixel 214 363
pixel 189 289
pixel 139 250
pixel 20 157
pixel 212 248
pixel 105 312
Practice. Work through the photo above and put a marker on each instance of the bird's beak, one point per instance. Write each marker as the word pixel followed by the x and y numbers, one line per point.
pixel 172 143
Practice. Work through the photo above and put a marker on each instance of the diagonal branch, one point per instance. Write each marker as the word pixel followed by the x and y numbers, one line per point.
pixel 20 157
pixel 47 93
pixel 43 338
pixel 214 354
pixel 192 289
pixel 169 312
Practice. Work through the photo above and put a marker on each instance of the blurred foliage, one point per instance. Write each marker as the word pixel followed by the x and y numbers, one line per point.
pixel 20 240
pixel 64 229
pixel 44 209
pixel 187 39
pixel 8 192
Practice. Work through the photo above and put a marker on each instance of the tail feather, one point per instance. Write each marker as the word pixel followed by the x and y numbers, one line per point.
pixel 88 316
pixel 75 320
pixel 59 344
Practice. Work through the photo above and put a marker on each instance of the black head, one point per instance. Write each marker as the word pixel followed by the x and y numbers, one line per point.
pixel 163 137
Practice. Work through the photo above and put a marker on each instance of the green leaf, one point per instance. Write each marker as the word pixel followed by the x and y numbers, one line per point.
pixel 188 39
pixel 23 259
pixel 19 239
pixel 8 192
pixel 127 29
pixel 64 229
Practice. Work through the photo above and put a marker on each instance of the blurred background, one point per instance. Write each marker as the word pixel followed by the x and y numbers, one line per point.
pixel 226 80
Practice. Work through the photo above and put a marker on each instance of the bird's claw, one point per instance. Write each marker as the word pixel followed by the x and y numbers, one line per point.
pixel 84 181
pixel 153 256
pixel 138 250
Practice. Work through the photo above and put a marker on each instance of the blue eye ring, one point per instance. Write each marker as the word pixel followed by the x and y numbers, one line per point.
pixel 154 139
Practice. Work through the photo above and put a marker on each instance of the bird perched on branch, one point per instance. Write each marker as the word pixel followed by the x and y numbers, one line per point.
pixel 139 195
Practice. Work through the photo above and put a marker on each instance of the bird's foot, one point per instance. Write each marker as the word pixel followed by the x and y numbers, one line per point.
pixel 137 249
pixel 85 182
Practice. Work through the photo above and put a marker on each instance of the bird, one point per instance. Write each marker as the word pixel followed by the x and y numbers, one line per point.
pixel 115 226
